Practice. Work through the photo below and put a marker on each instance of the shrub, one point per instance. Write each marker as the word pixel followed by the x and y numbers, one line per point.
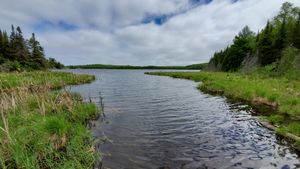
pixel 289 64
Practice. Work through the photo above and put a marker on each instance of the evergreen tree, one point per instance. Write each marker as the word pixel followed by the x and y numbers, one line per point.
pixel 296 34
pixel 265 46
pixel 268 45
pixel 55 64
pixel 17 53
pixel 37 58
pixel 18 47
pixel 243 45
pixel 12 49
pixel 257 37
pixel 280 41
pixel 286 11
pixel 1 48
pixel 5 45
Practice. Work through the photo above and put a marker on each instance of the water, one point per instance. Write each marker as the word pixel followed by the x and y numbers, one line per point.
pixel 159 122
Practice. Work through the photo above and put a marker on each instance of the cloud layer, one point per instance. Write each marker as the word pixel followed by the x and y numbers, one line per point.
pixel 115 32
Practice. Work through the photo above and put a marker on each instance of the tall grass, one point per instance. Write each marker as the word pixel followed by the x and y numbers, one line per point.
pixel 281 94
pixel 40 128
pixel 36 79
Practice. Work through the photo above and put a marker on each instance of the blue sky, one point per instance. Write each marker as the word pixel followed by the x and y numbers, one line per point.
pixel 148 32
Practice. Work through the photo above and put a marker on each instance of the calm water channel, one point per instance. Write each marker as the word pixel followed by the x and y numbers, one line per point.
pixel 156 122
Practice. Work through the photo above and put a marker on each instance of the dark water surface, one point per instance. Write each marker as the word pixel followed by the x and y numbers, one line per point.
pixel 154 122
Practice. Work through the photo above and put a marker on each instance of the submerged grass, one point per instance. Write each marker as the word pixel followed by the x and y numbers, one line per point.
pixel 280 95
pixel 40 128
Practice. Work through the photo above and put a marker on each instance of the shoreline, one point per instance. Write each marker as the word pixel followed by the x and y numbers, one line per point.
pixel 266 108
pixel 42 126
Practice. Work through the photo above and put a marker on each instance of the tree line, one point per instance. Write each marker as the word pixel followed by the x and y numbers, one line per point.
pixel 18 53
pixel 103 66
pixel 280 36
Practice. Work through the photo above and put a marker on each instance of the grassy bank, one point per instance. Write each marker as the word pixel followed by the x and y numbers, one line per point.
pixel 280 95
pixel 42 128
pixel 52 80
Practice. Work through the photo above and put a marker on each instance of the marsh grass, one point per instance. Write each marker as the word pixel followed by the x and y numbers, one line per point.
pixel 41 128
pixel 34 80
pixel 281 94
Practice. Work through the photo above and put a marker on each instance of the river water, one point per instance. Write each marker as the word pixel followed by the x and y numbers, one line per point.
pixel 156 122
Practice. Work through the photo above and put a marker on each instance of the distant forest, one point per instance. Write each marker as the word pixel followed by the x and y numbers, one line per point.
pixel 276 47
pixel 18 53
pixel 101 66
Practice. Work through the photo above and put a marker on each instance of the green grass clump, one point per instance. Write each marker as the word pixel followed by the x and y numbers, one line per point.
pixel 44 129
pixel 50 79
pixel 276 119
pixel 293 128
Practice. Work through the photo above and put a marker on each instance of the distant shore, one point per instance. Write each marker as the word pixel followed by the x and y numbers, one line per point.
pixel 103 66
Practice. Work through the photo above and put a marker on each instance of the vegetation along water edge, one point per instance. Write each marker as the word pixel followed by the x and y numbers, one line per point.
pixel 261 69
pixel 45 128
pixel 280 95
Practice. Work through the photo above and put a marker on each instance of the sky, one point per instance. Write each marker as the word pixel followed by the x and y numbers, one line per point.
pixel 136 32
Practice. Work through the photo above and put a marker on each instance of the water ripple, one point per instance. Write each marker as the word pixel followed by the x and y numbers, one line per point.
pixel 159 122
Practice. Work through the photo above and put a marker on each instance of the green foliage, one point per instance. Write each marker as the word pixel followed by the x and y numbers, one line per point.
pixel 276 119
pixel 296 33
pixel 53 80
pixel 268 45
pixel 289 65
pixel 38 129
pixel 36 60
pixel 55 64
pixel 232 57
pixel 293 127
pixel 279 95
pixel 265 46
pixel 9 66
pixel 243 45
pixel 18 53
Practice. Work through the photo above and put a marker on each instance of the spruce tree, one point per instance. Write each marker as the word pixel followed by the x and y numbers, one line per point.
pixel 243 45
pixel 19 52
pixel 18 47
pixel 37 58
pixel 12 41
pixel 1 48
pixel 265 46
pixel 1 42
pixel 280 41
pixel 55 64
pixel 5 45
pixel 296 34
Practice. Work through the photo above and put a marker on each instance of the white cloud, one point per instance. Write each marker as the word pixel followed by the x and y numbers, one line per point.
pixel 106 34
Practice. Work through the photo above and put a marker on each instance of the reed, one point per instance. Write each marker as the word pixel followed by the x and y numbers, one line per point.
pixel 42 128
